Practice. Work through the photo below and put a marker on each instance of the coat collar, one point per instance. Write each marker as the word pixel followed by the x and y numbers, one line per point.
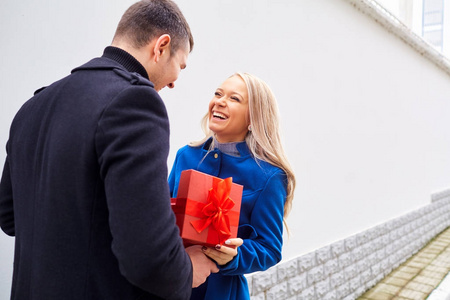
pixel 241 147
pixel 121 63
pixel 126 60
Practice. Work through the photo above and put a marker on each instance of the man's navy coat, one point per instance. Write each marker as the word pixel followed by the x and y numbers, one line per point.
pixel 84 189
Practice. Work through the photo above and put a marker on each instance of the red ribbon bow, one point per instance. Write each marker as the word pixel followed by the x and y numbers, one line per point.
pixel 216 210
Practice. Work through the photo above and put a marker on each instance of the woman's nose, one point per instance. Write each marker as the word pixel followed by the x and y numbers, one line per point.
pixel 220 101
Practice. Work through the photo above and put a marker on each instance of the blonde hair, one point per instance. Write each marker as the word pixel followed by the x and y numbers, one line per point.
pixel 263 141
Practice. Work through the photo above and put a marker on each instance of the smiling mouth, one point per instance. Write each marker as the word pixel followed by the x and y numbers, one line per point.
pixel 219 115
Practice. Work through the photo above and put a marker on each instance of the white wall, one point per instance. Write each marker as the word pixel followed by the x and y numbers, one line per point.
pixel 410 13
pixel 446 42
pixel 365 117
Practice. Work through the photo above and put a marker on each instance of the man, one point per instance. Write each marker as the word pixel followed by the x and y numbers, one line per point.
pixel 84 187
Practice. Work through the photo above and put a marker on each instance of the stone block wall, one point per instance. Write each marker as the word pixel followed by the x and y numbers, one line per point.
pixel 349 267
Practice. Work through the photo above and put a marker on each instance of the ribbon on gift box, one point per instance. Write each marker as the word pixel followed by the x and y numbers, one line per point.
pixel 216 211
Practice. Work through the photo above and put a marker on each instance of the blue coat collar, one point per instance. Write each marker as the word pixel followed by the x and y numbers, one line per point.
pixel 241 147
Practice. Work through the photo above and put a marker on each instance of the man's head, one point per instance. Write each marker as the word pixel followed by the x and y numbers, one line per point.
pixel 156 33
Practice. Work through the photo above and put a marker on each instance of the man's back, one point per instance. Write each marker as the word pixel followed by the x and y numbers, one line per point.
pixel 85 155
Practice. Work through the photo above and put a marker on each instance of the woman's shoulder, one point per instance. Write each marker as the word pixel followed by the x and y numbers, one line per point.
pixel 189 148
pixel 274 173
pixel 190 152
pixel 261 170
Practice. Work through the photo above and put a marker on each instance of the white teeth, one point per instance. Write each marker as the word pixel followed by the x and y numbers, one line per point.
pixel 219 115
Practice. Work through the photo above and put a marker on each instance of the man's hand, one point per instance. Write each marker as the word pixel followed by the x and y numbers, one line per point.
pixel 202 265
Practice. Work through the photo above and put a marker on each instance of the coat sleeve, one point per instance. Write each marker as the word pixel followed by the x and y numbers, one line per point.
pixel 175 173
pixel 132 142
pixel 262 250
pixel 6 202
pixel 172 177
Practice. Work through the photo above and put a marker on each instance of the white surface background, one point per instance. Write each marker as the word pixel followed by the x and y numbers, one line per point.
pixel 365 118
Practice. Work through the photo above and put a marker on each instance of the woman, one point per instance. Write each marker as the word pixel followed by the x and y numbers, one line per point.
pixel 243 142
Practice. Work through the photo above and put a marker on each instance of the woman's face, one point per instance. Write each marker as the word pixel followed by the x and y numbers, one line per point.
pixel 228 111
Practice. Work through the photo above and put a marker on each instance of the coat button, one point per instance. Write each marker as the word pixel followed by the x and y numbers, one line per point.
pixel 216 155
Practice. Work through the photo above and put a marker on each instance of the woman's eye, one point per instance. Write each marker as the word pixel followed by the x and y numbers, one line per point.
pixel 217 94
pixel 235 99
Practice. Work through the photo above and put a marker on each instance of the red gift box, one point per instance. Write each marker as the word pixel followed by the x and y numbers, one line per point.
pixel 207 208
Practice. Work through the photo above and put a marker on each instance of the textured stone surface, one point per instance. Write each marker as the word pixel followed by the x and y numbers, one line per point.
pixel 394 258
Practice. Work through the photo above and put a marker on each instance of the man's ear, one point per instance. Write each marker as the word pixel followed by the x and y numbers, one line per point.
pixel 162 46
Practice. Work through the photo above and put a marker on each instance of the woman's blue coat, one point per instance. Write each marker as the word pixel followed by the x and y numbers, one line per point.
pixel 261 218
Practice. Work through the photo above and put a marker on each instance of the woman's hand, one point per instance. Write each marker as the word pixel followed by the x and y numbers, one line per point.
pixel 224 254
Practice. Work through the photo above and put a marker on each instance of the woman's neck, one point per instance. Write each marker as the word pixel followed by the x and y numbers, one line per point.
pixel 227 148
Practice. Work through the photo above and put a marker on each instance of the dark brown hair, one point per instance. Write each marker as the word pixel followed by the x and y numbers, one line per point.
pixel 149 19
